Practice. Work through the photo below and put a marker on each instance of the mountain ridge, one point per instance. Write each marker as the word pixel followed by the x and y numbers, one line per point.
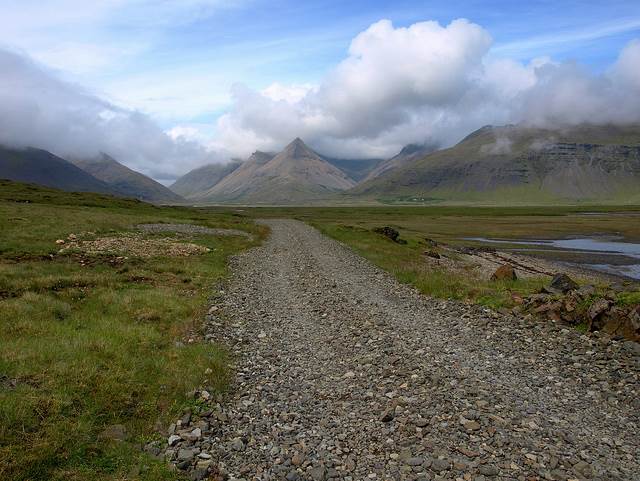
pixel 194 183
pixel 125 180
pixel 571 164
pixel 295 175
pixel 38 166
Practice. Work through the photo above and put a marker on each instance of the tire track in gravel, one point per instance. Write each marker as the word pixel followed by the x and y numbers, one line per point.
pixel 345 374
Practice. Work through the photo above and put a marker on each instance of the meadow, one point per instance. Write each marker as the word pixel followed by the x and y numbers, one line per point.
pixel 95 352
pixel 95 347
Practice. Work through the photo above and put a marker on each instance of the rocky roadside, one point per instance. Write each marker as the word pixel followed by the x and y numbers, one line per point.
pixel 587 308
pixel 344 374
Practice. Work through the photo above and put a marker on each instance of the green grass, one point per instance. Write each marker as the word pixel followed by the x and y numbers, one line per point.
pixel 406 263
pixel 85 347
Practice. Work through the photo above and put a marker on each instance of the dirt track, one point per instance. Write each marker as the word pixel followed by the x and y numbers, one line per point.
pixel 343 373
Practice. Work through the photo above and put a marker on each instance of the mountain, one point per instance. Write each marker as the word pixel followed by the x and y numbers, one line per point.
pixel 126 181
pixel 295 175
pixel 195 183
pixel 356 169
pixel 233 184
pixel 408 154
pixel 521 164
pixel 38 166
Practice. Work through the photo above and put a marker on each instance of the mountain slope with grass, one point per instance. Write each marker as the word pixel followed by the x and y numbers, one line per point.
pixel 195 183
pixel 295 175
pixel 36 166
pixel 408 154
pixel 522 164
pixel 127 181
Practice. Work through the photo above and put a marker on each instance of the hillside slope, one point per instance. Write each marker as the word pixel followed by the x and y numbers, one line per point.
pixel 41 167
pixel 195 183
pixel 295 175
pixel 127 181
pixel 523 164
pixel 408 154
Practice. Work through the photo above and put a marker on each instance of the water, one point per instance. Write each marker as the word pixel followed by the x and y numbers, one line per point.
pixel 600 246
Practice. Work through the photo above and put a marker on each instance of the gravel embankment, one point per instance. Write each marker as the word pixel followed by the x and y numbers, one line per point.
pixel 345 374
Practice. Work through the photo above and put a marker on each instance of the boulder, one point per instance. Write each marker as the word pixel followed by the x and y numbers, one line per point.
pixel 504 273
pixel 563 283
pixel 597 308
pixel 388 232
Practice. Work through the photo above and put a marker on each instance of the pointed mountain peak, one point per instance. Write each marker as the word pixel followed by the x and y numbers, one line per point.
pixel 297 148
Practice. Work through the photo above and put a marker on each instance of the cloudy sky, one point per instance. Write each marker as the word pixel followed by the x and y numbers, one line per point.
pixel 167 85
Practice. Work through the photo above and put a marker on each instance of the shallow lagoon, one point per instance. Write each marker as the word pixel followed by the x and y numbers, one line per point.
pixel 625 256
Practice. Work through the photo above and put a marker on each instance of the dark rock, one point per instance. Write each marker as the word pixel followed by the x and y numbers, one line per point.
pixel 440 465
pixel 318 473
pixel 504 273
pixel 387 415
pixel 199 474
pixel 597 308
pixel 186 419
pixel 632 348
pixel 388 232
pixel 563 283
pixel 489 470
pixel 186 454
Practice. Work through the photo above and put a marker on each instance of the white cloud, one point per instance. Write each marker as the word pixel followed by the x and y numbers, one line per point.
pixel 397 85
pixel 389 75
pixel 38 109
pixel 427 83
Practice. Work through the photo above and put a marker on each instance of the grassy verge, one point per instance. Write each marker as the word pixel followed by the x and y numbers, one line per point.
pixel 451 224
pixel 92 343
pixel 406 263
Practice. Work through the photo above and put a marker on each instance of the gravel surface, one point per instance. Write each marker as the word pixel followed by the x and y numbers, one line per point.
pixel 190 229
pixel 345 374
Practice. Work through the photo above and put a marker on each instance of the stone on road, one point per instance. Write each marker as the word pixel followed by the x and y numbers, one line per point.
pixel 343 373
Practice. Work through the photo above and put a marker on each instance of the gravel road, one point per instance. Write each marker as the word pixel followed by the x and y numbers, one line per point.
pixel 343 373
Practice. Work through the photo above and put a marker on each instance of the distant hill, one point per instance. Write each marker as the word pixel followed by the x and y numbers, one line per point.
pixel 295 175
pixel 126 181
pixel 194 184
pixel 521 164
pixel 38 166
pixel 408 154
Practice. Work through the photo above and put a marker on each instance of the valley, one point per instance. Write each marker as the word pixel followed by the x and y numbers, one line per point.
pixel 320 240
pixel 306 331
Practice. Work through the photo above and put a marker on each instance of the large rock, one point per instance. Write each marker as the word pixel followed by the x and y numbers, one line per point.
pixel 563 283
pixel 598 307
pixel 504 273
pixel 389 232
